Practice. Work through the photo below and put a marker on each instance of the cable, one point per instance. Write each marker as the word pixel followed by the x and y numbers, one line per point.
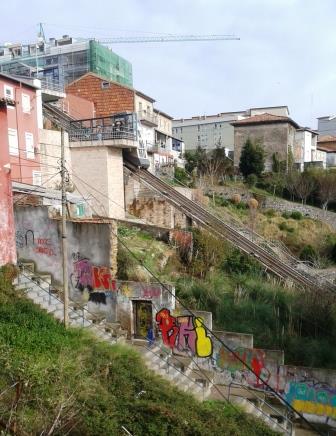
pixel 34 190
pixel 266 384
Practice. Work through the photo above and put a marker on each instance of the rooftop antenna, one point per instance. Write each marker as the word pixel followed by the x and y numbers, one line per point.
pixel 41 35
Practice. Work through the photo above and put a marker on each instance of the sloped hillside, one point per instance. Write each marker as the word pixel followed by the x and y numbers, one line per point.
pixel 55 382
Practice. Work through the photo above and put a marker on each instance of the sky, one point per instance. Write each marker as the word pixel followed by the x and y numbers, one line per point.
pixel 285 55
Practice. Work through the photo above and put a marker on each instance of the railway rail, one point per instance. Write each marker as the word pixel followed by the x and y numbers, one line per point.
pixel 221 229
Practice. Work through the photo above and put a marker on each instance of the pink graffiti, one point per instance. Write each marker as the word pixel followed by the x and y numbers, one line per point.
pixel 83 274
pixel 151 293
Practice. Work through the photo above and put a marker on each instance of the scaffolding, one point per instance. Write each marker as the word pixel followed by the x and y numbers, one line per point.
pixel 62 64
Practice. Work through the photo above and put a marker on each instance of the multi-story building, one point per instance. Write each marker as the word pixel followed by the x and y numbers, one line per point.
pixel 21 121
pixel 326 147
pixel 305 152
pixel 210 131
pixel 7 238
pixel 274 132
pixel 58 62
pixel 326 125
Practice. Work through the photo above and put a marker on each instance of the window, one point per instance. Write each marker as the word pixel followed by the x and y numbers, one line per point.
pixel 198 127
pixel 9 92
pixel 37 178
pixel 140 106
pixel 80 209
pixel 13 142
pixel 26 103
pixel 198 138
pixel 29 145
pixel 105 85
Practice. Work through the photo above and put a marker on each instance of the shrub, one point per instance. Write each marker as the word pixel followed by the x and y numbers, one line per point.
pixel 286 215
pixel 181 175
pixel 284 227
pixel 270 213
pixel 240 263
pixel 251 180
pixel 296 215
pixel 308 253
pixel 242 206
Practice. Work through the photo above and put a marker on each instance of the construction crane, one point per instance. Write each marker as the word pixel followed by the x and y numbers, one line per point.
pixel 166 38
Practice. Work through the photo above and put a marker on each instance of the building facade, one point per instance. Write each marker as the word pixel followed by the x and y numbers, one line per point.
pixel 61 61
pixel 275 133
pixel 211 131
pixel 305 151
pixel 326 126
pixel 22 117
pixel 326 147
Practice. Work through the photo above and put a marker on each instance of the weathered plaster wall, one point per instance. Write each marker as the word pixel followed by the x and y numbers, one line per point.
pixel 38 239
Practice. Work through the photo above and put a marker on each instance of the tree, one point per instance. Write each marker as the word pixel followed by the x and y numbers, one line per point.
pixel 252 158
pixel 304 186
pixel 326 182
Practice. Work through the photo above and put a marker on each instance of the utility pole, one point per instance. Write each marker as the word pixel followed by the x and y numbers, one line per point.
pixel 64 234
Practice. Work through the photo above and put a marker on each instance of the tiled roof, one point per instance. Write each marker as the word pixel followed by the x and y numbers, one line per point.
pixel 326 138
pixel 265 119
pixel 329 148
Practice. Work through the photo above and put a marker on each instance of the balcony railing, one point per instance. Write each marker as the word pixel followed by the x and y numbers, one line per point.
pixel 103 129
pixel 51 85
pixel 148 118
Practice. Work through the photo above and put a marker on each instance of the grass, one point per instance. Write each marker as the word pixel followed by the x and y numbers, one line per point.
pixel 50 376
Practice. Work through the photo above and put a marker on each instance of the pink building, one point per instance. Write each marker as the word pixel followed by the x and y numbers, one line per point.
pixel 20 128
pixel 20 107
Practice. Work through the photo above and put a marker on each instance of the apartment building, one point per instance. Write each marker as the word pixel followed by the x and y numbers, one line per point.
pixel 59 62
pixel 21 120
pixel 209 131
pixel 326 126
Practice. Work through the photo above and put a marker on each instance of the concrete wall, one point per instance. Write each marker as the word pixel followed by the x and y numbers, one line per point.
pixel 101 168
pixel 50 149
pixel 273 137
pixel 142 202
pixel 38 239
pixel 326 126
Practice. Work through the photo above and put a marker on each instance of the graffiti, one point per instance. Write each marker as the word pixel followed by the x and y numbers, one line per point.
pixel 184 334
pixel 254 358
pixel 102 278
pixel 85 276
pixel 44 246
pixel 151 292
pixel 24 238
pixel 312 398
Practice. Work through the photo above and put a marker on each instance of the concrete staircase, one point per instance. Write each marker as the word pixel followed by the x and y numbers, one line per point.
pixel 179 371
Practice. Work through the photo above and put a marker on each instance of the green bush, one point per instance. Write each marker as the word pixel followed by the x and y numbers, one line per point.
pixel 296 215
pixel 251 180
pixel 181 175
pixel 308 253
pixel 239 263
pixel 242 206
pixel 270 213
pixel 286 215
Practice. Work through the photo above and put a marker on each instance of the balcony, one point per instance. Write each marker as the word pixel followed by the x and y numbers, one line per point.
pixel 51 90
pixel 117 131
pixel 148 118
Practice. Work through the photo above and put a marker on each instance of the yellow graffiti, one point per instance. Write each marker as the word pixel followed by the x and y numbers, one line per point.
pixel 203 342
pixel 314 408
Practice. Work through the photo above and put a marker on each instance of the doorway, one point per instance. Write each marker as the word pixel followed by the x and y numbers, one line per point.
pixel 143 318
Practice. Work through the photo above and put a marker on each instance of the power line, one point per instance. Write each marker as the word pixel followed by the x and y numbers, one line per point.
pixel 35 190
pixel 266 384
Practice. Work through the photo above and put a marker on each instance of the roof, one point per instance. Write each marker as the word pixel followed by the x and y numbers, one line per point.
pixel 204 117
pixel 308 129
pixel 22 80
pixel 264 119
pixel 103 79
pixel 146 97
pixel 328 148
pixel 157 111
pixel 326 138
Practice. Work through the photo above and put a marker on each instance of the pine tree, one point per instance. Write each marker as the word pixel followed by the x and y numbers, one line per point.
pixel 252 158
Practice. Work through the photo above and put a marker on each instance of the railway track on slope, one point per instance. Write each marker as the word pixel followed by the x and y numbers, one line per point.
pixel 221 229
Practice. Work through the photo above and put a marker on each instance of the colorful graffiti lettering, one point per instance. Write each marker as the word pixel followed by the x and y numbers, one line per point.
pixel 151 292
pixel 312 398
pixel 184 333
pixel 254 358
pixel 87 276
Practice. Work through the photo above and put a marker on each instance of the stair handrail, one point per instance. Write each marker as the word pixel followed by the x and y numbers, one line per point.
pixel 250 391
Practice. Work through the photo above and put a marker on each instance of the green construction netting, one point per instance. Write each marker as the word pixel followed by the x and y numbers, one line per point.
pixel 109 65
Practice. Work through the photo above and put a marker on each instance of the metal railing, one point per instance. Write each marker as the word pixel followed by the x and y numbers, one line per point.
pixel 51 85
pixel 101 133
pixel 148 116
pixel 288 428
